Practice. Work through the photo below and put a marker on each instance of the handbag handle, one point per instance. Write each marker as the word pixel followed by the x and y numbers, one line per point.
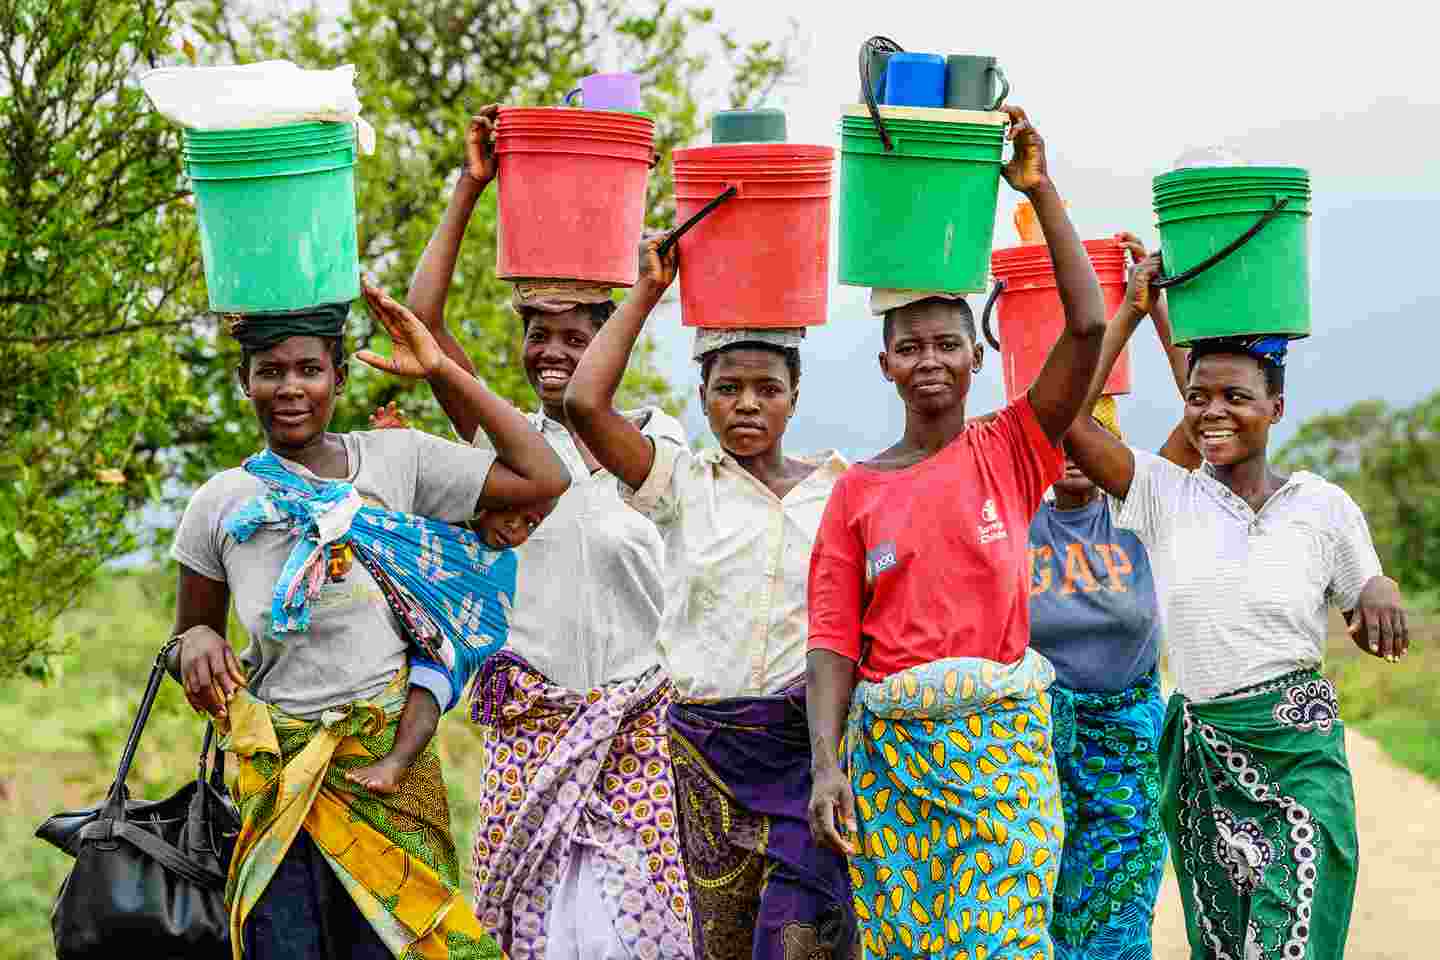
pixel 115 799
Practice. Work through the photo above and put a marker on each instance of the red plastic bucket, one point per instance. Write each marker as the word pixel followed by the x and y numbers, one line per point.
pixel 1032 317
pixel 762 258
pixel 572 192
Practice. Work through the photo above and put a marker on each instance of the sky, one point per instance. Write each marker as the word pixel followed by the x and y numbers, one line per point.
pixel 1119 93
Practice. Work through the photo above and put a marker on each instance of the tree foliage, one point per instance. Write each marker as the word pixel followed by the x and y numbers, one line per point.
pixel 116 393
pixel 1389 461
pixel 98 272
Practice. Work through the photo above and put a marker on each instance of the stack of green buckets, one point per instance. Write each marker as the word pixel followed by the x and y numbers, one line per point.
pixel 1263 287
pixel 920 216
pixel 277 215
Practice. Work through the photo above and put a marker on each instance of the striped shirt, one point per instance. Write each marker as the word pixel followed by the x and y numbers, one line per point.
pixel 1245 593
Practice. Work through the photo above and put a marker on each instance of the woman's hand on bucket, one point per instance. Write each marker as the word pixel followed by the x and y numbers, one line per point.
pixel 1027 170
pixel 832 811
pixel 415 353
pixel 480 161
pixel 1140 296
pixel 657 271
pixel 209 670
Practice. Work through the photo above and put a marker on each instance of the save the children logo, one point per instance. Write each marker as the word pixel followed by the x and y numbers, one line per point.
pixel 880 559
pixel 991 527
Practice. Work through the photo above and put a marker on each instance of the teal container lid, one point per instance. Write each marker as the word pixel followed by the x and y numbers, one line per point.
pixel 765 125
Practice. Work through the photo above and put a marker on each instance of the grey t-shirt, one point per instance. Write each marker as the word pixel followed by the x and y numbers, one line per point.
pixel 353 647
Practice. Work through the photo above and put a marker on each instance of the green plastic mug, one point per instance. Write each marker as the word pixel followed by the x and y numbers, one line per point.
pixel 970 83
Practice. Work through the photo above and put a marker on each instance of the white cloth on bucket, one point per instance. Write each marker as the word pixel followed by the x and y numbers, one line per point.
pixel 708 340
pixel 250 95
pixel 883 300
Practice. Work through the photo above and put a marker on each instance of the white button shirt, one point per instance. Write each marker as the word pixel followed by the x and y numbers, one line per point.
pixel 1245 593
pixel 589 592
pixel 737 561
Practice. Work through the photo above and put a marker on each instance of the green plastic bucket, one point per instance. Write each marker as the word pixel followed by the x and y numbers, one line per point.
pixel 276 208
pixel 1236 248
pixel 921 215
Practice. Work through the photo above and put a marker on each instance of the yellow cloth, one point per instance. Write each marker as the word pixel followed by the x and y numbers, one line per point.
pixel 1106 414
pixel 393 854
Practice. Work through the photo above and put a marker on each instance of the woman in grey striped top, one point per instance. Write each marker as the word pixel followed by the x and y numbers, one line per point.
pixel 1257 798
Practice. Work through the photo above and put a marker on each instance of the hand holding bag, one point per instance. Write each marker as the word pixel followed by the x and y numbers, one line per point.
pixel 149 875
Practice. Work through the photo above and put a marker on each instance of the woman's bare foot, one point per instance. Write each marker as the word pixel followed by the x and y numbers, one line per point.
pixel 382 776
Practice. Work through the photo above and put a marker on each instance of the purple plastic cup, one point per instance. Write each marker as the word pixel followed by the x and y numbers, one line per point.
pixel 607 91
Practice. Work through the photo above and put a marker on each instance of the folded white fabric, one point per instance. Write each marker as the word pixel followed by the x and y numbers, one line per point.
pixel 709 340
pixel 883 300
pixel 250 95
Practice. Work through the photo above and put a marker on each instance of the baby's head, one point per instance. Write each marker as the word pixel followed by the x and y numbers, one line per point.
pixel 502 529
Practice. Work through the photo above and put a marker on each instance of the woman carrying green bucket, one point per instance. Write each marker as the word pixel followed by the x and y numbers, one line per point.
pixel 1257 799
pixel 919 631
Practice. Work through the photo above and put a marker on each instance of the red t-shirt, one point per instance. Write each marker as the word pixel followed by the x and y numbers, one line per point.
pixel 929 562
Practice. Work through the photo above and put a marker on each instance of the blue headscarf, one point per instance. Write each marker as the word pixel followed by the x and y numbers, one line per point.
pixel 450 592
pixel 1268 349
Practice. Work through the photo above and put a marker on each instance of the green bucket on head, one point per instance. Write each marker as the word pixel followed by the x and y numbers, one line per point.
pixel 276 208
pixel 920 215
pixel 1236 248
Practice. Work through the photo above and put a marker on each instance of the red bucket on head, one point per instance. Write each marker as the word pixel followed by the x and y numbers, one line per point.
pixel 1032 317
pixel 572 193
pixel 761 258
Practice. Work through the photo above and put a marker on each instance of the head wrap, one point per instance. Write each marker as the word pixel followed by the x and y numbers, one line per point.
pixel 1268 349
pixel 708 340
pixel 1106 414
pixel 557 296
pixel 882 301
pixel 261 331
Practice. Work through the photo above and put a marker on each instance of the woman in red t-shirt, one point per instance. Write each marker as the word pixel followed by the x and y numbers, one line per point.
pixel 918 585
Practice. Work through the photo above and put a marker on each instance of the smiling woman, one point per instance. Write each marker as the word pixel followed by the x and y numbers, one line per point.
pixel 1264 843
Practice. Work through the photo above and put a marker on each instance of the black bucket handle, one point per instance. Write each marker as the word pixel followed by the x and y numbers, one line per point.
pixel 700 214
pixel 1160 283
pixel 877 45
pixel 985 314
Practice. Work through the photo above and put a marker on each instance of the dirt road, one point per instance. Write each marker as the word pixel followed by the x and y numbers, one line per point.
pixel 1396 914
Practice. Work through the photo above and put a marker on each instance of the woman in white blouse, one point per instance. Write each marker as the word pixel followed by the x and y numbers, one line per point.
pixel 1257 802
pixel 576 852
pixel 739 523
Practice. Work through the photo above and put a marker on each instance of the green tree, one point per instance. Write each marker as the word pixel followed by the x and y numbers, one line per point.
pixel 99 266
pixel 1389 461
pixel 117 393
pixel 422 70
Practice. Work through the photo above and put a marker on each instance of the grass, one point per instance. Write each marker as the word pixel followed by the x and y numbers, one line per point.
pixel 1394 704
pixel 62 740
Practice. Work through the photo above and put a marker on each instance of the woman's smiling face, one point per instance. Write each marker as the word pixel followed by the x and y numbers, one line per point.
pixel 1229 408
pixel 292 387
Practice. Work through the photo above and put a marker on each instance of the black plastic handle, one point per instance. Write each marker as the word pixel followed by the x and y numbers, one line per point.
pixel 985 314
pixel 877 45
pixel 1160 283
pixel 701 214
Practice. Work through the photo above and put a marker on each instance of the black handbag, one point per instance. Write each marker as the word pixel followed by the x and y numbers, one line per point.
pixel 149 875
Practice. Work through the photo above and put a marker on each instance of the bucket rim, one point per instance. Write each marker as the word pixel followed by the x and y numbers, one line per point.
pixel 1229 173
pixel 944 115
pixel 756 151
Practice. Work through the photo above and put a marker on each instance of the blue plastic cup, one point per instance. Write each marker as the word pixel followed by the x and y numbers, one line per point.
pixel 915 80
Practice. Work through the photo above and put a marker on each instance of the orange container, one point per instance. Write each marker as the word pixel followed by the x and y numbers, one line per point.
pixel 1032 317
pixel 572 193
pixel 762 258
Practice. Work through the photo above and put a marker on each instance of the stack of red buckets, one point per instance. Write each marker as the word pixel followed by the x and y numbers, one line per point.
pixel 1031 317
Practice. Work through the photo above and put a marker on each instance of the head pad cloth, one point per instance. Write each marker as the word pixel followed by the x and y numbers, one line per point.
pixel 261 331
pixel 557 296
pixel 709 340
pixel 883 300
pixel 1268 349
pixel 1106 414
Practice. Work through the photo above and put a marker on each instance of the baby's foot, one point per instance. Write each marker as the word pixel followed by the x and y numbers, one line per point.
pixel 382 776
